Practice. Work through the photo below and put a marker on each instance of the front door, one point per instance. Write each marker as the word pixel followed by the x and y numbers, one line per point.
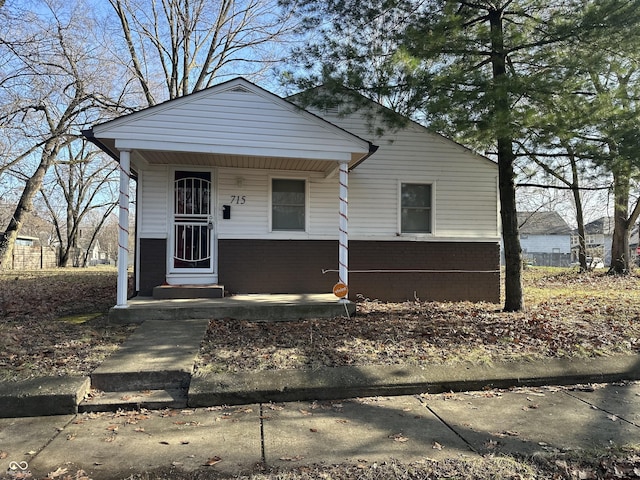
pixel 191 255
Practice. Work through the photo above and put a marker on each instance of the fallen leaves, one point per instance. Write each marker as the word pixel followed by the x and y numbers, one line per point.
pixel 399 437
pixel 63 474
pixel 212 461
pixel 57 473
pixel 34 341
pixel 296 458
pixel 419 333
pixel 568 315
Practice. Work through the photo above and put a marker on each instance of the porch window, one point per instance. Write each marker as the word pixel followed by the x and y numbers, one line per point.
pixel 288 198
pixel 415 208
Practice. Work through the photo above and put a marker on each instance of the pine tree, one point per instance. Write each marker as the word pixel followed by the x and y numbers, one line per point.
pixel 472 69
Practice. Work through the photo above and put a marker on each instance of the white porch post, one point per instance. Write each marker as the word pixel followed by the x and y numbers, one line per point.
pixel 123 229
pixel 343 269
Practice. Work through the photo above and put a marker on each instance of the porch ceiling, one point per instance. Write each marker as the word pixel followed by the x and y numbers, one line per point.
pixel 151 157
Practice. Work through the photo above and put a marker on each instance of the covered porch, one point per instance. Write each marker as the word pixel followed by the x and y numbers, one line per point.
pixel 207 167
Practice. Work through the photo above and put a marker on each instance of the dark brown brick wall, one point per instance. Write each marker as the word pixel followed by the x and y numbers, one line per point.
pixel 451 281
pixel 277 266
pixel 153 264
pixel 288 266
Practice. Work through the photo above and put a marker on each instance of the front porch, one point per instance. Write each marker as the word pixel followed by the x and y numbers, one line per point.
pixel 256 307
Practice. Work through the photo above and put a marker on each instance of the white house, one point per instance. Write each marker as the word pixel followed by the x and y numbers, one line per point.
pixel 545 239
pixel 598 240
pixel 239 187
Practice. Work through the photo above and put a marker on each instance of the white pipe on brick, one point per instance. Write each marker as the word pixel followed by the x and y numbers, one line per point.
pixel 123 229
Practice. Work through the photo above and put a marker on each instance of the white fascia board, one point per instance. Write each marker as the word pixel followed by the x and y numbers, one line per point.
pixel 233 150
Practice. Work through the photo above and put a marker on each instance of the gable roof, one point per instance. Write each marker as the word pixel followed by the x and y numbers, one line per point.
pixel 542 223
pixel 603 225
pixel 358 102
pixel 230 124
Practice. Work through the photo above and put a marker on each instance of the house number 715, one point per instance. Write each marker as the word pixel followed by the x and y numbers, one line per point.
pixel 238 199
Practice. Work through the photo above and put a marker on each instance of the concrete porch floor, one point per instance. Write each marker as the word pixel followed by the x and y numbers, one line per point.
pixel 255 307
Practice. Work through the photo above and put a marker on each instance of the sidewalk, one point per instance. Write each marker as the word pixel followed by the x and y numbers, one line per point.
pixel 357 431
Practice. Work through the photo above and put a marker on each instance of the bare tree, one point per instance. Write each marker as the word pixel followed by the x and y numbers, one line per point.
pixel 84 186
pixel 176 47
pixel 52 85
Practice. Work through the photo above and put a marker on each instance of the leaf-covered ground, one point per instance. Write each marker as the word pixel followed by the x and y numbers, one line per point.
pixel 52 322
pixel 623 464
pixel 567 315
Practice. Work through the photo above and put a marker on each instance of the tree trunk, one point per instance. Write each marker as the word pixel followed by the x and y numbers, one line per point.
pixel 582 239
pixel 620 242
pixel 577 200
pixel 25 204
pixel 514 300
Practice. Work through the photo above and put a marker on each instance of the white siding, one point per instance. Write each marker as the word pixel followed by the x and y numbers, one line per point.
pixel 153 202
pixel 224 120
pixel 464 188
pixel 251 217
pixel 545 243
pixel 465 184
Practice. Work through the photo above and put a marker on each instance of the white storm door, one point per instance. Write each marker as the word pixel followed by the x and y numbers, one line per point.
pixel 192 242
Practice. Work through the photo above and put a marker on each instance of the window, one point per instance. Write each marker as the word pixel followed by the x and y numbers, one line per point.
pixel 25 242
pixel 415 216
pixel 288 204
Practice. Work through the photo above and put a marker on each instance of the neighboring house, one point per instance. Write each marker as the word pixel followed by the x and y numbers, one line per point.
pixel 30 254
pixel 98 255
pixel 545 239
pixel 240 187
pixel 95 255
pixel 33 248
pixel 599 237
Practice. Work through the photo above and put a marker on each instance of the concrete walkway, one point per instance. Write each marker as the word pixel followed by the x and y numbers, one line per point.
pixel 233 440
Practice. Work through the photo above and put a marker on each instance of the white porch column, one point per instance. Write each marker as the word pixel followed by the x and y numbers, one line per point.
pixel 123 229
pixel 343 256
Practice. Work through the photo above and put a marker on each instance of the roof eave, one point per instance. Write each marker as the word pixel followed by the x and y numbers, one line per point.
pixel 89 135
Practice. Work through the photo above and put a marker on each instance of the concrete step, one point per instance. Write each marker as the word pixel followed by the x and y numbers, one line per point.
pixel 170 292
pixel 267 308
pixel 42 396
pixel 133 400
pixel 114 381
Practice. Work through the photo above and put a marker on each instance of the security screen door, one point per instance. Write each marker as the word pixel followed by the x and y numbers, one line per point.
pixel 192 223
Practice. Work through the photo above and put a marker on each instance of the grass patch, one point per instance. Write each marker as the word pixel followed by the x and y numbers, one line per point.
pixel 80 318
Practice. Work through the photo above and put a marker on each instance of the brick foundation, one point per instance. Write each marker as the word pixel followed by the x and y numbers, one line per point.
pixel 458 271
pixel 287 266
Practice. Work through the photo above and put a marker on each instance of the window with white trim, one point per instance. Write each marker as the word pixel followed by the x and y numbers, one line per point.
pixel 415 208
pixel 288 197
